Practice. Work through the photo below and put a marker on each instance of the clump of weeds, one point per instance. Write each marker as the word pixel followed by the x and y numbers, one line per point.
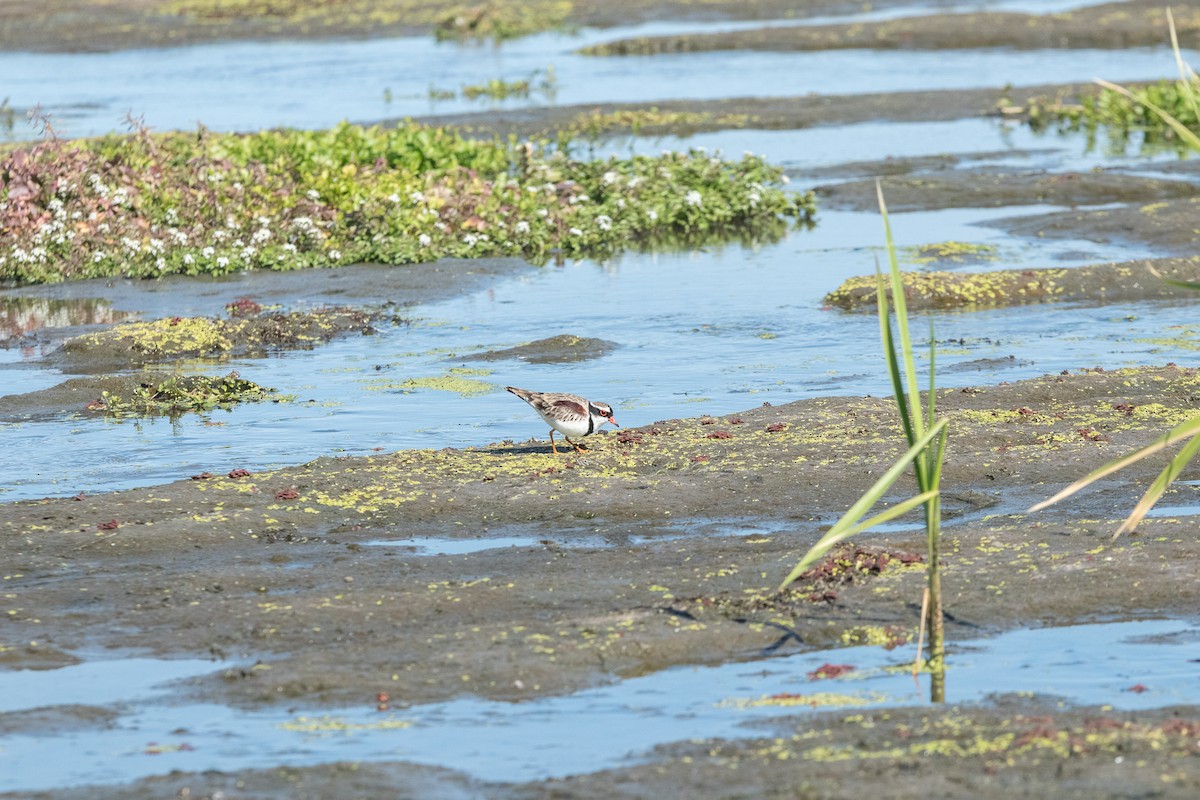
pixel 144 205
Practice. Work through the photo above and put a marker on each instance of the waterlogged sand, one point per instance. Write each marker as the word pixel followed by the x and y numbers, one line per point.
pixel 661 546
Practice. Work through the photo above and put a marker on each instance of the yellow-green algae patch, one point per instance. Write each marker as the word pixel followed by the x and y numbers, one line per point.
pixel 1135 280
pixel 956 289
pixel 330 724
pixel 173 338
pixel 453 381
pixel 812 700
pixel 952 252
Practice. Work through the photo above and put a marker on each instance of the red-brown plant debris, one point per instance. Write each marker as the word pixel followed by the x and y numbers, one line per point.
pixel 830 671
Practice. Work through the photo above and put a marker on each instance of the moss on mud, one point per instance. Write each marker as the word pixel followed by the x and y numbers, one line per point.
pixel 1133 280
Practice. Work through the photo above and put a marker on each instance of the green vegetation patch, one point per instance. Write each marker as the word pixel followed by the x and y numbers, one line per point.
pixel 1119 116
pixel 178 395
pixel 208 204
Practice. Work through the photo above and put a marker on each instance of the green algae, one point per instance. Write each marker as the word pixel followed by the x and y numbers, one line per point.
pixel 177 395
pixel 951 252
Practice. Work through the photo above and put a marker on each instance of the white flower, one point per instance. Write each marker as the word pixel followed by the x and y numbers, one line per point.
pixel 542 212
pixel 260 236
pixel 652 215
pixel 189 259
pixel 620 202
pixel 222 262
pixel 161 263
pixel 521 227
pixel 313 194
pixel 97 257
pixel 634 181
pixel 470 239
pixel 610 177
pixel 291 248
pixel 207 252
pixel 693 198
pixel 394 198
pixel 576 232
pixel 785 180
pixel 416 197
pixel 604 222
pixel 336 255
pixel 424 240
pixel 754 199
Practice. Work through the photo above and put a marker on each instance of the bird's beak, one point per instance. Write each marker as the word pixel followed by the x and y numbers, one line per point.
pixel 614 422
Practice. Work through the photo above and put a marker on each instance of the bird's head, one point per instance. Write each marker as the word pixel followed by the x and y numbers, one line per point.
pixel 603 411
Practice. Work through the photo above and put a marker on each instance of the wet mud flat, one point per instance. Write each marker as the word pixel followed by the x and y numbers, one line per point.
pixel 281 578
pixel 332 583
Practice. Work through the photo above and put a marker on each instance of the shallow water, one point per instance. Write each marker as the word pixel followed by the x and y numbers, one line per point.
pixel 251 85
pixel 582 732
pixel 754 318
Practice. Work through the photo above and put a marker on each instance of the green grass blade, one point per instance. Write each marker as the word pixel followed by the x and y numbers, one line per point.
pixel 891 513
pixel 901 306
pixel 1156 490
pixel 889 353
pixel 931 401
pixel 1184 430
pixel 856 512
pixel 1181 284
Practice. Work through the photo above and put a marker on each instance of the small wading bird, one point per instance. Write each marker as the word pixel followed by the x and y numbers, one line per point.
pixel 569 414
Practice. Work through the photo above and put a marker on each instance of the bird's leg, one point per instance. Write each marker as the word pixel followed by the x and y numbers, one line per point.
pixel 578 449
pixel 552 445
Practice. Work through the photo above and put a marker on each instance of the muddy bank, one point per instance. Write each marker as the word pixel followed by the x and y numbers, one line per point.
pixel 1167 225
pixel 58 310
pixel 1014 748
pixel 279 568
pixel 73 25
pixel 144 393
pixel 249 331
pixel 1139 23
pixel 562 349
pixel 940 188
pixel 684 117
pixel 1100 283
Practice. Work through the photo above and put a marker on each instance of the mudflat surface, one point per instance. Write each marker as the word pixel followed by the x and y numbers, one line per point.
pixel 321 584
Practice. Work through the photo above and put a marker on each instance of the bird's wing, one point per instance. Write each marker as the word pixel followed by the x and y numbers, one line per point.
pixel 567 409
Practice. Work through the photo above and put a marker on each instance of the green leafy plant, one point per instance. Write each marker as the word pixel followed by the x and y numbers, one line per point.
pixel 145 205
pixel 1166 113
pixel 926 436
